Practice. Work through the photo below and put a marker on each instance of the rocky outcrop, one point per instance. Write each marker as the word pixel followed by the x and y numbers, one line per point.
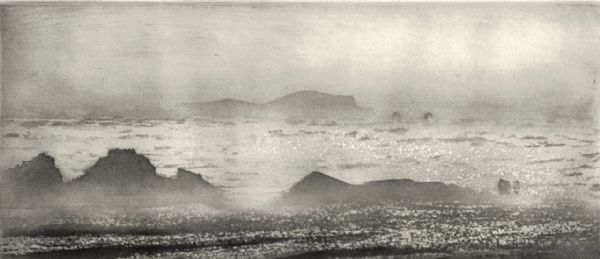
pixel 317 182
pixel 187 182
pixel 39 172
pixel 319 189
pixel 186 179
pixel 504 187
pixel 121 172
pixel 124 174
pixel 122 177
pixel 35 179
pixel 428 117
pixel 317 186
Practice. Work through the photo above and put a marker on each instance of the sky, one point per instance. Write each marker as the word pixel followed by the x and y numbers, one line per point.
pixel 145 57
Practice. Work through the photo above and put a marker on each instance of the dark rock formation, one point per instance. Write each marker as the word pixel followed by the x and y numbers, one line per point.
pixel 39 172
pixel 123 177
pixel 317 185
pixel 191 184
pixel 187 180
pixel 317 181
pixel 319 189
pixel 504 187
pixel 428 116
pixel 516 187
pixel 34 179
pixel 121 172
pixel 396 116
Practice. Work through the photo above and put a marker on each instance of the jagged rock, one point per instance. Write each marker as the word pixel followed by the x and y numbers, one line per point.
pixel 121 166
pixel 39 172
pixel 121 172
pixel 189 181
pixel 314 99
pixel 504 187
pixel 125 173
pixel 31 181
pixel 122 177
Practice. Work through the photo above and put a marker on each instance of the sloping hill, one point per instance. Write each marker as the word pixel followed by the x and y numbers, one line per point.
pixel 187 180
pixel 318 183
pixel 120 172
pixel 302 104
pixel 319 189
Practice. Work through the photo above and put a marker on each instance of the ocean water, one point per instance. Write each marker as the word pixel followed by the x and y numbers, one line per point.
pixel 249 156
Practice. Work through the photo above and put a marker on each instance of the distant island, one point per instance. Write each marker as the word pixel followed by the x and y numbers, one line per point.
pixel 301 104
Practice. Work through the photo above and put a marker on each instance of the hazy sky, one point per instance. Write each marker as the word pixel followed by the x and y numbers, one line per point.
pixel 387 56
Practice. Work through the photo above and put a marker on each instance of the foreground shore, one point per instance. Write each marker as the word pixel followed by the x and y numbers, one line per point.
pixel 422 230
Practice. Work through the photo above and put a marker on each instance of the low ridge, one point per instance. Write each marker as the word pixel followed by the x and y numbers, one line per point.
pixel 318 188
pixel 301 104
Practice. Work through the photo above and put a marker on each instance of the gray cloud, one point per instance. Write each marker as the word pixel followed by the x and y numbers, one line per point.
pixel 391 57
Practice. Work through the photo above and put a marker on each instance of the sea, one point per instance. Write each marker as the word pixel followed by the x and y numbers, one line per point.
pixel 258 159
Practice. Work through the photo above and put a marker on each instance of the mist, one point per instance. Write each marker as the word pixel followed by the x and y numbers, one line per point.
pixel 102 59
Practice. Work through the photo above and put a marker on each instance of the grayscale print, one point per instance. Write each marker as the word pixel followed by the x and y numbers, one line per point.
pixel 300 130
